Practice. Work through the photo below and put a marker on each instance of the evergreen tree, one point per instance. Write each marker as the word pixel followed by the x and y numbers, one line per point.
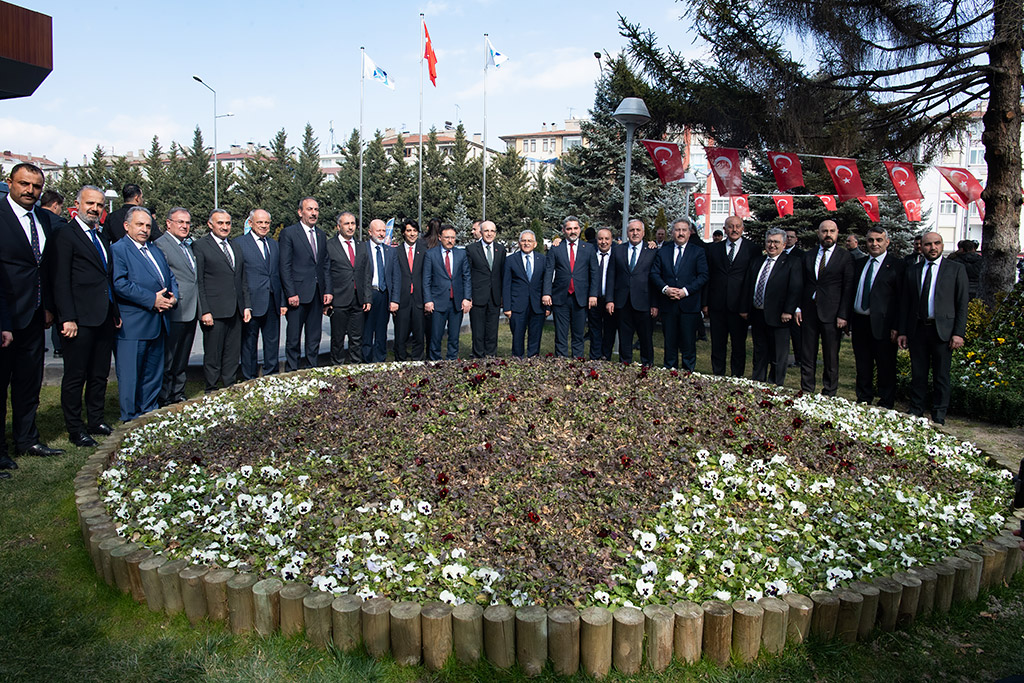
pixel 341 193
pixel 400 189
pixel 251 189
pixel 155 186
pixel 436 198
pixel 511 205
pixel 375 175
pixel 464 177
pixel 96 172
pixel 278 200
pixel 462 222
pixel 122 173
pixel 308 175
pixel 174 188
pixel 66 183
pixel 197 179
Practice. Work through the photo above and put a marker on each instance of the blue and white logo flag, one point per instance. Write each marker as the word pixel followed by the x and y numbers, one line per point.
pixel 371 70
pixel 494 58
pixel 389 233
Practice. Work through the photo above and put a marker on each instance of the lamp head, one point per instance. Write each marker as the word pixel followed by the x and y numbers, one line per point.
pixel 632 111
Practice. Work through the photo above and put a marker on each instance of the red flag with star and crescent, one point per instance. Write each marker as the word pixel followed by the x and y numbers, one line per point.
pixel 787 170
pixel 962 181
pixel 700 203
pixel 981 207
pixel 783 204
pixel 958 199
pixel 846 178
pixel 829 200
pixel 870 204
pixel 739 206
pixel 912 207
pixel 725 166
pixel 903 179
pixel 428 54
pixel 667 160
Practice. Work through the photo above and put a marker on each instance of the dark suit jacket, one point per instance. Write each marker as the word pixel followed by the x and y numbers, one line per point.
pixel 833 293
pixel 951 299
pixel 519 294
pixel 350 284
pixel 300 273
pixel 436 282
pixel 487 281
pixel 781 292
pixel 222 291
pixel 624 287
pixel 392 278
pixel 585 275
pixel 136 285
pixel 113 227
pixel 411 280
pixel 82 283
pixel 692 274
pixel 20 275
pixel 886 293
pixel 726 281
pixel 262 275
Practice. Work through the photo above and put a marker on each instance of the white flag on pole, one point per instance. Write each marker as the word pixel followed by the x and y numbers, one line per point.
pixel 371 70
pixel 494 58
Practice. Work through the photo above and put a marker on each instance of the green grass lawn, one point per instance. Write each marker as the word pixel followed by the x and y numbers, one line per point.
pixel 59 622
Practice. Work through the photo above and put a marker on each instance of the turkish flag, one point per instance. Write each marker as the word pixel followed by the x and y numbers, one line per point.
pixel 428 54
pixel 783 204
pixel 903 179
pixel 787 170
pixel 738 206
pixel 829 200
pixel 965 184
pixel 958 199
pixel 846 178
pixel 981 207
pixel 870 204
pixel 912 207
pixel 700 203
pixel 725 165
pixel 667 160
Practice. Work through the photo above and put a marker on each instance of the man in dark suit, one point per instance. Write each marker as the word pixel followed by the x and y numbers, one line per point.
pixel 53 203
pixel 350 273
pixel 447 288
pixel 728 263
pixel 224 303
pixel 263 276
pixel 382 267
pixel 773 293
pixel 679 273
pixel 88 315
pixel 487 268
pixel 629 298
pixel 181 320
pixel 570 287
pixel 933 321
pixel 114 225
pixel 794 252
pixel 824 308
pixel 876 305
pixel 521 290
pixel 146 290
pixel 306 283
pixel 915 255
pixel 25 284
pixel 602 322
pixel 409 316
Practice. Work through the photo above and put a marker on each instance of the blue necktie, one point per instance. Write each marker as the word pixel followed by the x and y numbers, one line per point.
pixel 99 247
pixel 381 285
pixel 529 267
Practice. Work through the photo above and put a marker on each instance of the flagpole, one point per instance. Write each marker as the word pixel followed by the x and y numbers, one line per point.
pixel 483 207
pixel 422 46
pixel 362 78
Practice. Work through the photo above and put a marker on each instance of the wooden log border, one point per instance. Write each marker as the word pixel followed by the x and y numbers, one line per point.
pixel 568 637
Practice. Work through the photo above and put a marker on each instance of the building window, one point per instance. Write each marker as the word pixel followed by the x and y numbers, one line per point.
pixel 533 145
pixel 544 146
pixel 974 209
pixel 719 206
pixel 947 206
pixel 572 141
pixel 977 157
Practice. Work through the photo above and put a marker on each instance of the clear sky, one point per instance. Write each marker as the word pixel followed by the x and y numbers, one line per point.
pixel 123 70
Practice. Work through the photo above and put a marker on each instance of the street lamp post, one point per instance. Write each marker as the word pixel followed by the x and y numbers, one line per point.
pixel 688 182
pixel 216 205
pixel 631 113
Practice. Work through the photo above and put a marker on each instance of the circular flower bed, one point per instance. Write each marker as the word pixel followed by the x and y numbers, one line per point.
pixel 547 481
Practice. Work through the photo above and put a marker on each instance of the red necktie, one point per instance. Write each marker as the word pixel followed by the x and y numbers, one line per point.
pixel 572 267
pixel 351 254
pixel 448 267
pixel 412 255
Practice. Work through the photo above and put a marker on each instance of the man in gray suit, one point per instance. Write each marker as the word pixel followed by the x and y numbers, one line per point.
pixel 175 245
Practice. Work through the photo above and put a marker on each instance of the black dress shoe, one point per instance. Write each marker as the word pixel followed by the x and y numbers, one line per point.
pixel 42 450
pixel 5 475
pixel 7 463
pixel 102 428
pixel 82 440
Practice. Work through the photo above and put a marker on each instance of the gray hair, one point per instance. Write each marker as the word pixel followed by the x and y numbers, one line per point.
pixel 78 197
pixel 136 209
pixel 677 221
pixel 178 209
pixel 878 230
pixel 775 231
pixel 528 232
pixel 568 219
pixel 343 214
pixel 252 214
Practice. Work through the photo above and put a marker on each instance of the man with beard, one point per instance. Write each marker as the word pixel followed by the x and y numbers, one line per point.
pixel 306 282
pixel 349 274
pixel 570 287
pixel 629 297
pixel 88 316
